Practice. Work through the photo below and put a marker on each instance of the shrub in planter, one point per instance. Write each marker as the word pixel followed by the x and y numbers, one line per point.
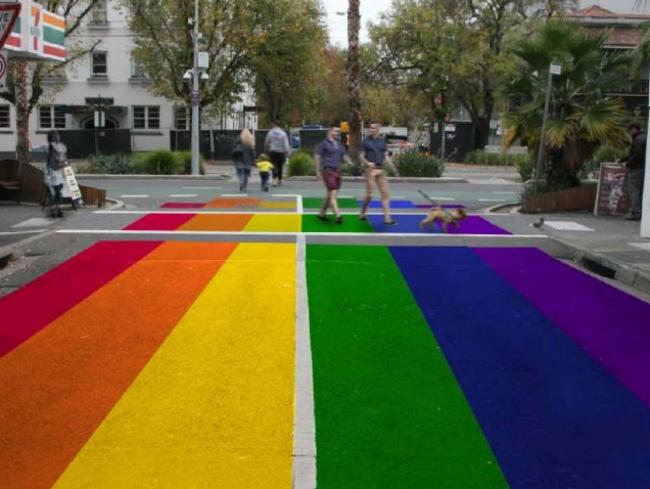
pixel 604 154
pixel 184 163
pixel 415 164
pixel 525 166
pixel 156 163
pixel 348 170
pixel 110 165
pixel 301 164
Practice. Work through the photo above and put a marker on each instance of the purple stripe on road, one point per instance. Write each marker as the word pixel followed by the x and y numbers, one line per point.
pixel 609 324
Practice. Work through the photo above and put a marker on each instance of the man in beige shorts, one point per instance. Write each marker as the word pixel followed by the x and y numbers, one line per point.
pixel 374 156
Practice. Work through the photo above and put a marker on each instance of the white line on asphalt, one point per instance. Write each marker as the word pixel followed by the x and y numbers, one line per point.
pixel 22 233
pixel 235 196
pixel 300 208
pixel 308 212
pixel 134 196
pixel 129 232
pixel 304 437
pixel 202 188
pixel 347 197
pixel 183 196
pixel 443 199
pixel 284 196
pixel 641 246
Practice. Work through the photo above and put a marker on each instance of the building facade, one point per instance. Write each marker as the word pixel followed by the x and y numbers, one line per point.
pixel 109 76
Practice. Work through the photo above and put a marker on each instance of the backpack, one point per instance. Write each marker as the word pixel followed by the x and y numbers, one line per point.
pixel 58 156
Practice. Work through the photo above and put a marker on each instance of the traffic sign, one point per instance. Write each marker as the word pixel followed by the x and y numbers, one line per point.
pixel 8 14
pixel 3 70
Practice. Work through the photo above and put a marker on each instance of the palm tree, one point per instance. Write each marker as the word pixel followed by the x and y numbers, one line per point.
pixel 354 87
pixel 583 115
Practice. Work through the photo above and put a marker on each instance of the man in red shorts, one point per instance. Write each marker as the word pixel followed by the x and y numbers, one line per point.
pixel 329 156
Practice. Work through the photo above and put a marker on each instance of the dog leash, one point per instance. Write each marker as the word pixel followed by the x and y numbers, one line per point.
pixel 423 194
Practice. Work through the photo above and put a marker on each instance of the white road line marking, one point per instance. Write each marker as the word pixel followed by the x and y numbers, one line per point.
pixel 183 196
pixel 641 246
pixel 129 232
pixel 202 188
pixel 284 196
pixel 300 208
pixel 443 199
pixel 134 196
pixel 235 196
pixel 22 233
pixel 568 226
pixel 304 438
pixel 308 212
pixel 35 222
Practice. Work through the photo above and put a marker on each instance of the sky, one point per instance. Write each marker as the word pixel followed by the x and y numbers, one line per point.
pixel 371 9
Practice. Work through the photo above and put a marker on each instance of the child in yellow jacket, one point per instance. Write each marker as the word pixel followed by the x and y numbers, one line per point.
pixel 265 167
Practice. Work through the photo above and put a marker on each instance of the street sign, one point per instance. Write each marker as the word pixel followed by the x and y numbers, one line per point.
pixel 345 127
pixel 3 70
pixel 556 69
pixel 100 118
pixel 8 14
pixel 204 60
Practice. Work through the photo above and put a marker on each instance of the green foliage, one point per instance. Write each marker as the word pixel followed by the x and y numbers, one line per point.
pixel 110 165
pixel 604 154
pixel 525 167
pixel 301 164
pixel 184 163
pixel 582 116
pixel 348 170
pixel 415 164
pixel 156 163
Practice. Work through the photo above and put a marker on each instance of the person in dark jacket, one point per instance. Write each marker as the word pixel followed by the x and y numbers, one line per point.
pixel 243 155
pixel 635 164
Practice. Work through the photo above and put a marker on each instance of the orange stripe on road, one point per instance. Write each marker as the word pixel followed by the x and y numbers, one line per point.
pixel 56 389
pixel 216 222
pixel 232 203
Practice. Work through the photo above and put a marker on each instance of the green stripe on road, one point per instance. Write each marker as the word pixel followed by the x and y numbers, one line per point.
pixel 389 413
pixel 351 224
pixel 316 203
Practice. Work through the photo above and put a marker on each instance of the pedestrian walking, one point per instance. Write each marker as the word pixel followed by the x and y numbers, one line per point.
pixel 57 159
pixel 277 146
pixel 374 155
pixel 266 168
pixel 329 156
pixel 243 155
pixel 635 164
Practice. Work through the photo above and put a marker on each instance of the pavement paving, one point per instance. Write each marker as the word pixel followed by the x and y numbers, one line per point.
pixel 239 342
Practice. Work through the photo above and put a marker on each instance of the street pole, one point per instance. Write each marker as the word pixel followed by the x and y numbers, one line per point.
pixel 196 95
pixel 645 216
pixel 542 141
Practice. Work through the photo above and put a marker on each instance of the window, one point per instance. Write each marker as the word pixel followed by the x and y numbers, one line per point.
pixel 51 117
pixel 5 117
pixel 99 67
pixel 181 119
pixel 146 117
pixel 137 70
pixel 98 14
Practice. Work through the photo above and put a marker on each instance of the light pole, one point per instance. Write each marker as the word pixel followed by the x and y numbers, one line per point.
pixel 196 95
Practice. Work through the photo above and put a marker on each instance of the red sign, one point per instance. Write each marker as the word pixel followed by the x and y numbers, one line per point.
pixel 9 12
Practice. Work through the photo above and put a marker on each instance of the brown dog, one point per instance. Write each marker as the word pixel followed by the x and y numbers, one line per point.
pixel 443 217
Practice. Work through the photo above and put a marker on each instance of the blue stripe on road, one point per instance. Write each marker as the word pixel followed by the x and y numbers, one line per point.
pixel 554 418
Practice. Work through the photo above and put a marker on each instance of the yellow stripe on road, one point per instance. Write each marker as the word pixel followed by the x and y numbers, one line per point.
pixel 274 223
pixel 214 406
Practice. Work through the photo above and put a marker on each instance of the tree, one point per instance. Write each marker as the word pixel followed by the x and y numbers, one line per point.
pixel 285 57
pixel 25 78
pixel 354 85
pixel 582 115
pixel 326 98
pixel 164 46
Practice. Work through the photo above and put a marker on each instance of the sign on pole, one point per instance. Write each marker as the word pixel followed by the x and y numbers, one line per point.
pixel 8 14
pixel 3 70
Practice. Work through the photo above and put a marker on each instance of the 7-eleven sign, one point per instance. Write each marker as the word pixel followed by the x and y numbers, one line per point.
pixel 8 14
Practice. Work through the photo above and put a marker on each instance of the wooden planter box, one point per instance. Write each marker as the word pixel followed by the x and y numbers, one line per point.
pixel 573 199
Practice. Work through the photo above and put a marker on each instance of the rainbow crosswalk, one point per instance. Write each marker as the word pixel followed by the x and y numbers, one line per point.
pixel 172 364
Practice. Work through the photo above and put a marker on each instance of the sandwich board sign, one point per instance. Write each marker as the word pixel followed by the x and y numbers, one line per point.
pixel 612 198
pixel 72 186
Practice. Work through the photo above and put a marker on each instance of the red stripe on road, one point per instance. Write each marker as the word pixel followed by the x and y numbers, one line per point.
pixel 159 222
pixel 30 309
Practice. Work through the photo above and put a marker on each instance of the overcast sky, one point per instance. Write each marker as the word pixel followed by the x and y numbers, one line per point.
pixel 370 10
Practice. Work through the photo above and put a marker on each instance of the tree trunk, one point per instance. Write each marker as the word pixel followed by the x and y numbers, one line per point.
pixel 22 112
pixel 354 87
pixel 481 132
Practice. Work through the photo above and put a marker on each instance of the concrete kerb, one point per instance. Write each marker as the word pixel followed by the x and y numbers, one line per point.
pixel 623 273
pixel 92 176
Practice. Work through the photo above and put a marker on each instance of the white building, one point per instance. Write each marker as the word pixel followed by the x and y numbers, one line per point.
pixel 110 74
